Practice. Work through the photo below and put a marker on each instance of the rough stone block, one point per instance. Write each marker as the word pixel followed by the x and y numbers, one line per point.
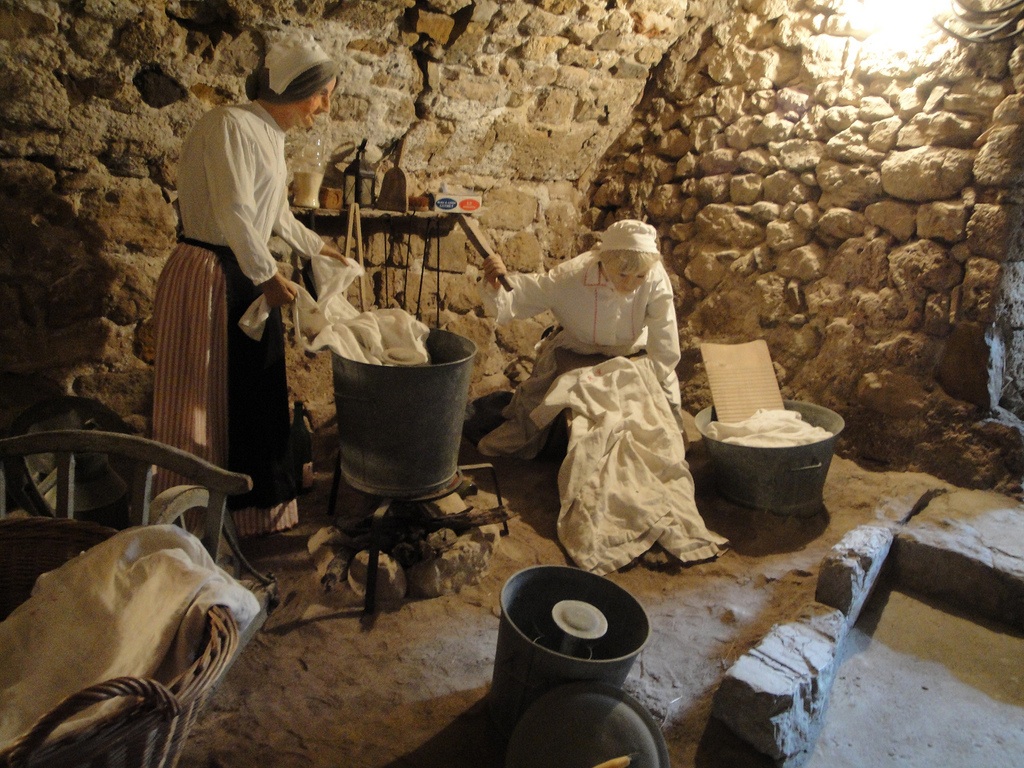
pixel 965 548
pixel 775 695
pixel 391 586
pixel 848 573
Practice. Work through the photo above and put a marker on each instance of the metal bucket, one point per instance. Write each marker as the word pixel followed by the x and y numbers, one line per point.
pixel 786 481
pixel 527 660
pixel 400 427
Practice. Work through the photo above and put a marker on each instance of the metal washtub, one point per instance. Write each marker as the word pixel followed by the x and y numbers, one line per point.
pixel 786 481
pixel 400 427
pixel 528 660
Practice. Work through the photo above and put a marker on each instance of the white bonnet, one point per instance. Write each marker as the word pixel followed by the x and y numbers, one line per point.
pixel 290 57
pixel 630 235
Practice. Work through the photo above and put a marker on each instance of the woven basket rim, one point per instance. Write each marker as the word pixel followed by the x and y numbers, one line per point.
pixel 135 729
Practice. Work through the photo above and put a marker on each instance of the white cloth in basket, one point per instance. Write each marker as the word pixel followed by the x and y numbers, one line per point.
pixel 132 605
pixel 768 428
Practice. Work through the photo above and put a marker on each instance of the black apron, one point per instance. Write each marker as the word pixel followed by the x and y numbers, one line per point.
pixel 258 403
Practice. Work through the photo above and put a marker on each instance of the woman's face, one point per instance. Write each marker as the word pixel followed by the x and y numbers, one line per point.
pixel 624 282
pixel 303 113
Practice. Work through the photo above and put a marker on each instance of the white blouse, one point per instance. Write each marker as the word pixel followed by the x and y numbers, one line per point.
pixel 595 318
pixel 233 188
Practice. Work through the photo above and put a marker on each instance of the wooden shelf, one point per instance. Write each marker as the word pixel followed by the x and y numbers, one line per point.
pixel 369 213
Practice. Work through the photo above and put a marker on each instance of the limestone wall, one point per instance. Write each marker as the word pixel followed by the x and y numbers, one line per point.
pixel 513 100
pixel 857 212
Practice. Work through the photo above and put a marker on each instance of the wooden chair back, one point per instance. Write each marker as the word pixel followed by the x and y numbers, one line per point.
pixel 207 490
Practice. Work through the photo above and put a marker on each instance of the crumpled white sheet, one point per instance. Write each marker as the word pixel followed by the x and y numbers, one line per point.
pixel 255 317
pixel 624 483
pixel 132 605
pixel 768 428
pixel 378 337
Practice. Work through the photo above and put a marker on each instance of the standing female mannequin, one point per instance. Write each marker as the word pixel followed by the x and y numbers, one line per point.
pixel 218 393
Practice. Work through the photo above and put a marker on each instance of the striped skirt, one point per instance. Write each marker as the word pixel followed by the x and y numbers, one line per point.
pixel 190 388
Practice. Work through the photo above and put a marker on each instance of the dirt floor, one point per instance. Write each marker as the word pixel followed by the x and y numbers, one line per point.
pixel 323 685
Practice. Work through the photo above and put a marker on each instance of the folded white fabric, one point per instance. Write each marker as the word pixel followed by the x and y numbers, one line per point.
pixel 768 428
pixel 133 605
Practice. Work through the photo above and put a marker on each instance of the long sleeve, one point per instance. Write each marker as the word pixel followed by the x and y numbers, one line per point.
pixel 533 294
pixel 292 231
pixel 231 174
pixel 232 188
pixel 662 327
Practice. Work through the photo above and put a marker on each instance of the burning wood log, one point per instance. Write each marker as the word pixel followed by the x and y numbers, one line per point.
pixel 336 571
pixel 404 515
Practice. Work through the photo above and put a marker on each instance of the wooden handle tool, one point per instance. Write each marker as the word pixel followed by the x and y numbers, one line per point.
pixel 616 762
pixel 477 237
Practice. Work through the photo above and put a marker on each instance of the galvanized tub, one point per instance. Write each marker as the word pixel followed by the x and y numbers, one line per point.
pixel 786 481
pixel 400 427
pixel 528 660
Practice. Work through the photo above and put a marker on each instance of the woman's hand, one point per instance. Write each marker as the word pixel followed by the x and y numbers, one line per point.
pixel 279 291
pixel 494 270
pixel 334 253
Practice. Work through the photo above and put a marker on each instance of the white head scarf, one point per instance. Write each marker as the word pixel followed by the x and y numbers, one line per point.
pixel 289 58
pixel 630 235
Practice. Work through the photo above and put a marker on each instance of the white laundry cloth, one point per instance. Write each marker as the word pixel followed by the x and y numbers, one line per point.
pixel 377 337
pixel 254 320
pixel 133 605
pixel 382 337
pixel 768 428
pixel 333 278
pixel 624 483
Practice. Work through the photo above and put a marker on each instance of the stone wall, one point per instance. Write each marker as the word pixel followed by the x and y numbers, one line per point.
pixel 514 100
pixel 857 212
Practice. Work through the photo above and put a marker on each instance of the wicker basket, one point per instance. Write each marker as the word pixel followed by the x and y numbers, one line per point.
pixel 150 729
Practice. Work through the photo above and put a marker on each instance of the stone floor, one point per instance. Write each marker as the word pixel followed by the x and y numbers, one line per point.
pixel 323 685
pixel 951 686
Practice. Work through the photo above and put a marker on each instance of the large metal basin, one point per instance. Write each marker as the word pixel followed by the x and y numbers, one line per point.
pixel 787 481
pixel 400 427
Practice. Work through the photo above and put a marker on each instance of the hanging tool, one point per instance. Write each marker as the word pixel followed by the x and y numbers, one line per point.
pixel 477 237
pixel 355 227
pixel 394 187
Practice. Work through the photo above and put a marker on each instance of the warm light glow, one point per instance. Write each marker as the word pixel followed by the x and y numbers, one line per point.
pixel 899 25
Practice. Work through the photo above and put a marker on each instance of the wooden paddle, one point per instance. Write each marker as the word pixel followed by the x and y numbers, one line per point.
pixel 394 187
pixel 477 237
